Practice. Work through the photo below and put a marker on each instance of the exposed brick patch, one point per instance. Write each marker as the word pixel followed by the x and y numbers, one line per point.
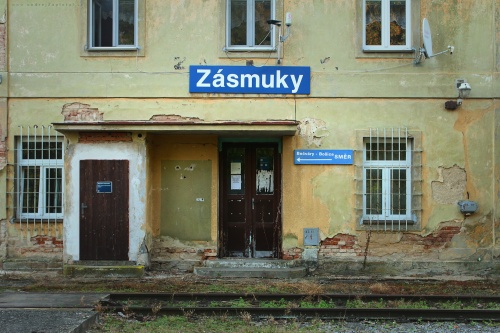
pixel 292 254
pixel 37 246
pixel 81 112
pixel 209 254
pixel 437 239
pixel 163 253
pixel 341 245
pixel 93 137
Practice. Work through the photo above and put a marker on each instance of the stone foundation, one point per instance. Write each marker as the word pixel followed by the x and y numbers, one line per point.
pixel 174 256
pixel 33 247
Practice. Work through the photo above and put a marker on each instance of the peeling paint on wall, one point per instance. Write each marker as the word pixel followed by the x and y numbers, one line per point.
pixel 265 181
pixel 3 135
pixel 450 186
pixel 174 117
pixel 3 151
pixel 178 65
pixel 313 131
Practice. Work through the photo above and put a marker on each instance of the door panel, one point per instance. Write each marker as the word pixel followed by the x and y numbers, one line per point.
pixel 250 183
pixel 104 208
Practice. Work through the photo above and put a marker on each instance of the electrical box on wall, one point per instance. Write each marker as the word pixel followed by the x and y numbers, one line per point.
pixel 311 236
pixel 467 207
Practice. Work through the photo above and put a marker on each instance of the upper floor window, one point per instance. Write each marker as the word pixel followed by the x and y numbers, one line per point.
pixel 387 25
pixel 113 25
pixel 247 27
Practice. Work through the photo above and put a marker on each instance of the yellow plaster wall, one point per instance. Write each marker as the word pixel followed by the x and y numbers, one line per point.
pixel 323 196
pixel 350 91
pixel 179 147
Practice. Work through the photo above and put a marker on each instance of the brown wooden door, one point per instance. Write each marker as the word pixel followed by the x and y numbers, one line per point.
pixel 250 185
pixel 104 196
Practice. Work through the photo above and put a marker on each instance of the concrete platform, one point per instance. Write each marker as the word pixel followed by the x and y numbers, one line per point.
pixel 22 312
pixel 252 268
pixel 104 271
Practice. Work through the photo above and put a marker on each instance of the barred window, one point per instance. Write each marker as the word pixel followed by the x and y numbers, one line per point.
pixel 387 179
pixel 390 179
pixel 39 177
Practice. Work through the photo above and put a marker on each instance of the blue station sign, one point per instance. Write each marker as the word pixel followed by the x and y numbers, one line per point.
pixel 250 79
pixel 319 156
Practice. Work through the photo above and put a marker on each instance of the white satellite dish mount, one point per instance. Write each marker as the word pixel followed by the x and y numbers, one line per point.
pixel 426 50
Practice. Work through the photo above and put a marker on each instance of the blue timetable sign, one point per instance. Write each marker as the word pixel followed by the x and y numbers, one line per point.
pixel 104 187
pixel 320 156
pixel 250 79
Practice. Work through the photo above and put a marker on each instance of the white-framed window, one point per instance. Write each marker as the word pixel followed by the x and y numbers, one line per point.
pixel 388 179
pixel 112 25
pixel 39 180
pixel 246 25
pixel 387 25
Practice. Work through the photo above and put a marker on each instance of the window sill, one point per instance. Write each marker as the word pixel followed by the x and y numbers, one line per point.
pixel 244 52
pixel 401 54
pixel 387 222
pixel 133 51
pixel 249 49
pixel 389 225
pixel 113 48
pixel 34 221
pixel 387 50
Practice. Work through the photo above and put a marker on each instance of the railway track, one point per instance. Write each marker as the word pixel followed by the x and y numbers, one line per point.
pixel 305 307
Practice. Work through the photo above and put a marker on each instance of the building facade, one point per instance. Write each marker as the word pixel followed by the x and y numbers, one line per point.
pixel 359 137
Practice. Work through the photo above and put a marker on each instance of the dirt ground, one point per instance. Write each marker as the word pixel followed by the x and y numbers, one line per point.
pixel 168 283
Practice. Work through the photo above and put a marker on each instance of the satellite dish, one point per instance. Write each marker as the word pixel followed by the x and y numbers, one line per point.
pixel 426 50
pixel 427 37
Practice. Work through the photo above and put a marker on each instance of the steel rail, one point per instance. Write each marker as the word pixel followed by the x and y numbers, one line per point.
pixel 304 313
pixel 349 314
pixel 296 297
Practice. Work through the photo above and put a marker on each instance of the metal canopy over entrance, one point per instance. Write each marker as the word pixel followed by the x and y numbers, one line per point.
pixel 224 128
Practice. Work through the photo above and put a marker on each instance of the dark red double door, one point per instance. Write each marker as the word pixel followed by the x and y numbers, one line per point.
pixel 250 195
pixel 104 209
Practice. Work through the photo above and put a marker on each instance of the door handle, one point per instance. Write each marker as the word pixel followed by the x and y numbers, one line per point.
pixel 82 208
pixel 253 203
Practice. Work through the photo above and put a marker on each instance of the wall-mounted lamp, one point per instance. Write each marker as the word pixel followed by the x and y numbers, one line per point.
pixel 282 39
pixel 463 89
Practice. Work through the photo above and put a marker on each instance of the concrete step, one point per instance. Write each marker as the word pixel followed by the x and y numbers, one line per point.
pixel 251 263
pixel 251 268
pixel 101 271
pixel 104 263
pixel 38 264
pixel 269 273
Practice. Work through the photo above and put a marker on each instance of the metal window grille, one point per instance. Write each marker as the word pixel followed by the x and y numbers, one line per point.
pixel 388 180
pixel 36 181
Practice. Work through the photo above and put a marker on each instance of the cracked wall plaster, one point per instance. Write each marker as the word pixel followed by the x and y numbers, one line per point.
pixel 313 131
pixel 450 186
